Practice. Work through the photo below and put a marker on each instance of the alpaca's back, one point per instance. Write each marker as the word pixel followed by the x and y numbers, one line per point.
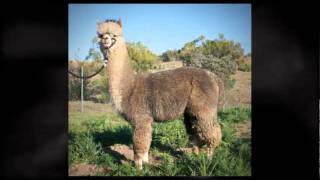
pixel 166 94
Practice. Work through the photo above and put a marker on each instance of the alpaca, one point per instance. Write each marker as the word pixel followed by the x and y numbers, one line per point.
pixel 158 97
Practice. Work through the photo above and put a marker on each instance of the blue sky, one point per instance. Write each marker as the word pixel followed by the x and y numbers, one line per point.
pixel 160 26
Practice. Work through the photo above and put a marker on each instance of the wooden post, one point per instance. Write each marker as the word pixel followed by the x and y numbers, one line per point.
pixel 81 88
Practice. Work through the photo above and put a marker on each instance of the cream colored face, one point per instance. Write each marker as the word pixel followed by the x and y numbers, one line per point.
pixel 106 40
pixel 107 31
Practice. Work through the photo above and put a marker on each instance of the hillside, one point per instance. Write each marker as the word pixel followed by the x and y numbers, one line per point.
pixel 240 94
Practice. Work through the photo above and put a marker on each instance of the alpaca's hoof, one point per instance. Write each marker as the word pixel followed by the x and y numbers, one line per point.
pixel 209 155
pixel 210 152
pixel 145 158
pixel 138 165
pixel 195 149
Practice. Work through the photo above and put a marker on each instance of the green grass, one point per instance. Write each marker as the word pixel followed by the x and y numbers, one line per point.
pixel 91 135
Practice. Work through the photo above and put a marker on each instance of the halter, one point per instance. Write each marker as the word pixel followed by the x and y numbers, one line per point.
pixel 107 49
pixel 105 55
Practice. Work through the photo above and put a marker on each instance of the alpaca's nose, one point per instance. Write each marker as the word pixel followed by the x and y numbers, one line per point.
pixel 106 41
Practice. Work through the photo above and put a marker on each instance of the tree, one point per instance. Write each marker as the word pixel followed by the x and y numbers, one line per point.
pixel 142 58
pixel 74 83
pixel 95 88
pixel 244 63
pixel 189 51
pixel 222 47
pixel 94 53
pixel 218 56
pixel 170 55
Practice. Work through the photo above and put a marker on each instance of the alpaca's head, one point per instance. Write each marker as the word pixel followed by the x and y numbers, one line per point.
pixel 108 31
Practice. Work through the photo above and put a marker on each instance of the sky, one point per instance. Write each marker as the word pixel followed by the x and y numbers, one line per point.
pixel 160 27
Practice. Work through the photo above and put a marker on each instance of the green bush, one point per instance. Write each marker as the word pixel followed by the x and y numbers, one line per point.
pixel 74 89
pixel 218 56
pixel 142 58
pixel 94 89
pixel 98 90
pixel 170 55
pixel 244 63
pixel 245 67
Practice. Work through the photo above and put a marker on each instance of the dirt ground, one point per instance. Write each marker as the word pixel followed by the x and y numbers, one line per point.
pixel 127 152
pixel 85 169
pixel 240 94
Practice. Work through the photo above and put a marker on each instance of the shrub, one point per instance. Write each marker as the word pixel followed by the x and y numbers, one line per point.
pixel 245 67
pixel 142 58
pixel 94 89
pixel 218 56
pixel 98 90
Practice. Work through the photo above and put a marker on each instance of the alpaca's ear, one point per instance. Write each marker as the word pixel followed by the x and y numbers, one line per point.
pixel 120 22
pixel 98 24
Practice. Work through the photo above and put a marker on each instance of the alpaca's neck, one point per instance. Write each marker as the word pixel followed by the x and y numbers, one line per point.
pixel 120 74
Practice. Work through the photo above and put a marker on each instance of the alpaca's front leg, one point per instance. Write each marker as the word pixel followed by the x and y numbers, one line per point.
pixel 142 131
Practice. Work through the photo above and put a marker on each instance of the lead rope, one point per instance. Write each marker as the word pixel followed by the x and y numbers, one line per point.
pixel 87 77
pixel 105 61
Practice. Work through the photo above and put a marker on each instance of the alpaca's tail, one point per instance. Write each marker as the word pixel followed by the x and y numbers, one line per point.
pixel 221 93
pixel 221 101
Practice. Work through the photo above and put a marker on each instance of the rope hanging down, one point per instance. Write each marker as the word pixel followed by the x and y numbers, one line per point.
pixel 105 61
pixel 87 77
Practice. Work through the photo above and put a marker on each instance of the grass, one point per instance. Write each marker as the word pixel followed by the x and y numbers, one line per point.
pixel 91 134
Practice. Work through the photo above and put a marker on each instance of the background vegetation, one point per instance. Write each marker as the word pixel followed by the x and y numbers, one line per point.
pixel 221 56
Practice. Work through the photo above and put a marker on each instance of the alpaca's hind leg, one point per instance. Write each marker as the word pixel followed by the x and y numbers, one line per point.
pixel 142 131
pixel 206 130
pixel 209 130
pixel 189 121
pixel 214 142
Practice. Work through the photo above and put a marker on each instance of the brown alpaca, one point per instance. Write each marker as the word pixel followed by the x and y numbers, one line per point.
pixel 145 98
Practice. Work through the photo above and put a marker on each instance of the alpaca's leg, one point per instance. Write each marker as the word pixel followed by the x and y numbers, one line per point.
pixel 205 129
pixel 145 157
pixel 209 130
pixel 189 121
pixel 215 141
pixel 142 131
pixel 195 144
